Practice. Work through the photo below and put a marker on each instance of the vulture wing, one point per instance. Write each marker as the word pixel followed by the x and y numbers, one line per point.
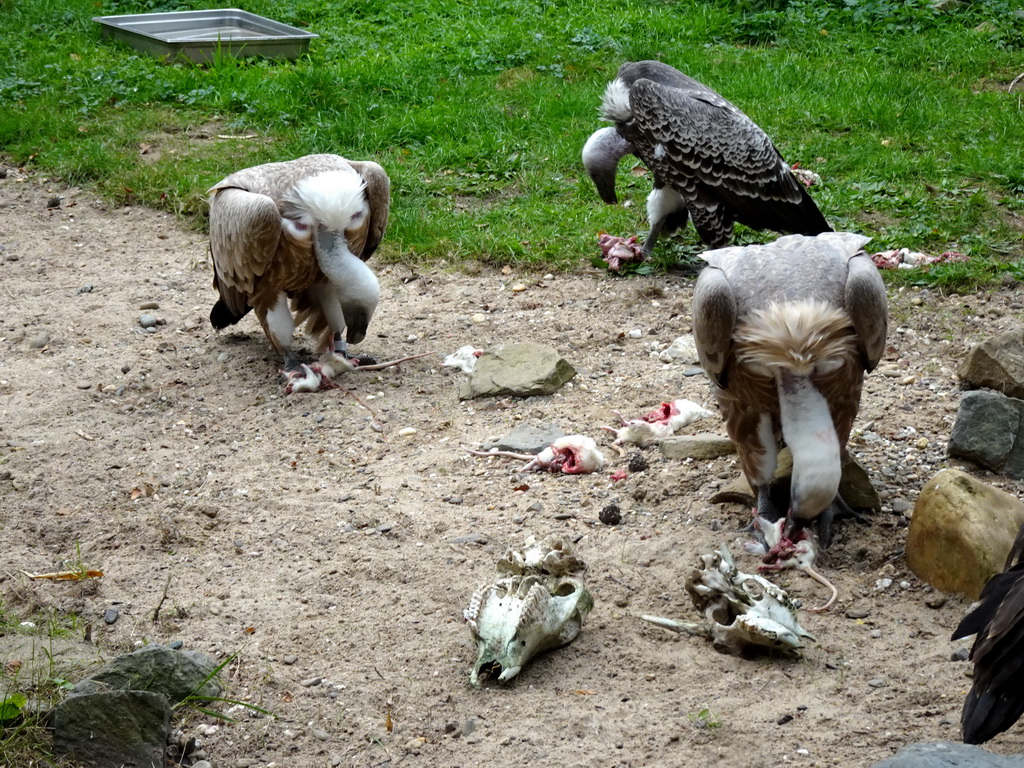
pixel 378 195
pixel 996 699
pixel 245 228
pixel 867 306
pixel 706 141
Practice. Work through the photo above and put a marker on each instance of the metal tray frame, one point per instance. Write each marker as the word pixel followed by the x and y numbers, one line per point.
pixel 192 35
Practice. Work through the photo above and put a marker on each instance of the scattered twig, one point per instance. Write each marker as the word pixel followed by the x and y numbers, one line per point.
pixel 389 363
pixel 163 598
pixel 1015 80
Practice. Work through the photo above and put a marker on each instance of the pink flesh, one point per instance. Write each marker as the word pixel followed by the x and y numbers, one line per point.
pixel 662 413
pixel 617 251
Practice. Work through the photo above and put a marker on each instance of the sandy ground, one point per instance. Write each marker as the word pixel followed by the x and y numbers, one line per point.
pixel 328 554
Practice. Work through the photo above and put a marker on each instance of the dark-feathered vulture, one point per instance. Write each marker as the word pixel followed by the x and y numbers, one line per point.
pixel 786 332
pixel 996 699
pixel 300 231
pixel 710 161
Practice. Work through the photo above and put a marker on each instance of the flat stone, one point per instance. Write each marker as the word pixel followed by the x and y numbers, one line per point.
pixel 523 369
pixel 700 446
pixel 174 674
pixel 854 485
pixel 945 754
pixel 527 438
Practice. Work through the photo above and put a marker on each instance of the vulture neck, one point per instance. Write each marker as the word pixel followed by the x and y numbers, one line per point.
pixel 810 434
pixel 354 281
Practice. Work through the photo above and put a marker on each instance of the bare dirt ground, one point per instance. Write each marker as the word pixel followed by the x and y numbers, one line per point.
pixel 291 532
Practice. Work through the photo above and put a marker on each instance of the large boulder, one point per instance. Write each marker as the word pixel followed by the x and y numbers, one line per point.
pixel 522 369
pixel 961 532
pixel 986 431
pixel 112 729
pixel 997 363
pixel 175 674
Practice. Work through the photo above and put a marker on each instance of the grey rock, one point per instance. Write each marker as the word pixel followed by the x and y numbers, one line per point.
pixel 523 369
pixel 175 674
pixel 527 438
pixel 701 446
pixel 113 728
pixel 147 321
pixel 986 427
pixel 472 538
pixel 997 363
pixel 945 754
pixel 39 341
pixel 961 532
pixel 111 615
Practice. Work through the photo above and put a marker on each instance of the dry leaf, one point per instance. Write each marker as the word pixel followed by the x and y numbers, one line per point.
pixel 65 575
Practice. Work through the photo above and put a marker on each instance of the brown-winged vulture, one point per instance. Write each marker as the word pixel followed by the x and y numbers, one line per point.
pixel 290 241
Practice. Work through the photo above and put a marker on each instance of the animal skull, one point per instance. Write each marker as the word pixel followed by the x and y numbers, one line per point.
pixel 540 605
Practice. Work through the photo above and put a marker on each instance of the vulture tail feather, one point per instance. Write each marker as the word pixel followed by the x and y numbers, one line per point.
pixel 221 316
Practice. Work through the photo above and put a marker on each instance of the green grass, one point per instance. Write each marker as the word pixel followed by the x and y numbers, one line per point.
pixel 479 112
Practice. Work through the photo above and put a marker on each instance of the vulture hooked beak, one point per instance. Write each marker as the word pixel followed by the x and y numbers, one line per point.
pixel 601 155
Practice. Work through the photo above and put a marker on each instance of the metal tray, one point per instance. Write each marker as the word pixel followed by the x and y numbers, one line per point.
pixel 199 35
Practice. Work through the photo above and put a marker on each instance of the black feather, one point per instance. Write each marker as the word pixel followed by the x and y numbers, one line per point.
pixel 996 699
pixel 221 315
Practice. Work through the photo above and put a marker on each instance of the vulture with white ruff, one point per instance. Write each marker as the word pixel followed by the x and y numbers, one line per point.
pixel 786 331
pixel 996 699
pixel 710 162
pixel 300 231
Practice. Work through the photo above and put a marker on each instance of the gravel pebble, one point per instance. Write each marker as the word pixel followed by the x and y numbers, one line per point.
pixel 147 321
